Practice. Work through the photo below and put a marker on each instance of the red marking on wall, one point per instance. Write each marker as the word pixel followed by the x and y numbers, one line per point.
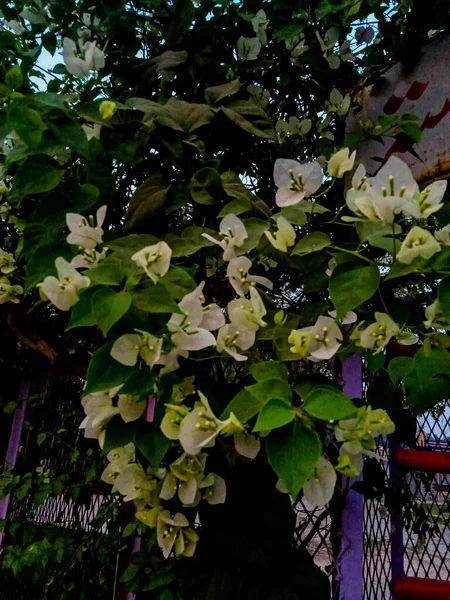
pixel 397 147
pixel 414 93
pixel 431 121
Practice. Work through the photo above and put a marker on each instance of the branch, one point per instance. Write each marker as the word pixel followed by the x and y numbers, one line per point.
pixel 38 346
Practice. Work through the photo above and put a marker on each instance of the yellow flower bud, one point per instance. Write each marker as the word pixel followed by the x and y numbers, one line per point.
pixel 107 109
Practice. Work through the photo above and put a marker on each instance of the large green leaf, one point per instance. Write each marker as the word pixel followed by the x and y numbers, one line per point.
pixel 206 186
pixel 215 94
pixel 154 298
pixel 179 282
pixel 312 242
pixel 106 273
pixel 147 202
pixel 399 368
pixel 39 173
pixel 251 118
pixel 269 369
pixel 429 382
pixel 140 383
pixel 271 388
pixel 244 406
pixel 293 452
pixel 108 307
pixel 118 433
pixel 72 135
pixel 82 315
pixel 105 373
pixel 275 413
pixel 189 116
pixel 352 284
pixel 27 123
pixel 328 403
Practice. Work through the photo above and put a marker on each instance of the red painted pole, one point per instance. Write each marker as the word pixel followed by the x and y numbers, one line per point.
pixel 414 588
pixel 423 460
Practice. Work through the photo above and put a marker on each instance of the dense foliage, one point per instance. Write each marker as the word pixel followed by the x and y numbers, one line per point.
pixel 184 225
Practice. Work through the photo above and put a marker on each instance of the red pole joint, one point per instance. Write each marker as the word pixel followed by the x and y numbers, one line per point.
pixel 414 588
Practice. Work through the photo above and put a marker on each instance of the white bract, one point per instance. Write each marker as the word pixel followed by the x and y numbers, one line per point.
pixel 233 235
pixel 348 319
pixel 230 338
pixel 260 23
pixel 83 233
pixel 338 103
pixel 99 410
pixel 325 340
pixel 284 237
pixel 341 162
pixel 247 315
pixel 419 243
pixel 247 445
pixel 130 346
pixel 319 490
pixel 130 408
pixel 82 59
pixel 300 340
pixel 358 434
pixel 240 278
pixel 8 292
pixel 428 201
pixel 88 259
pixel 215 489
pixel 154 260
pixel 435 316
pixel 296 181
pixel 171 422
pixel 173 531
pixel 63 292
pixel 7 263
pixel 134 484
pixel 443 235
pixel 119 459
pixel 377 336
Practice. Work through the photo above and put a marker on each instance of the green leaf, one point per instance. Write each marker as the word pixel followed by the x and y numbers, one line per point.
pixel 41 439
pixel 105 373
pixel 312 242
pixel 352 284
pixel 215 94
pixel 429 382
pixel 444 297
pixel 399 368
pixel 72 135
pixel 206 186
pixel 106 273
pixel 189 116
pixel 178 281
pixel 27 123
pixel 38 174
pixel 140 383
pixel 133 243
pixel 82 315
pixel 275 413
pixel 293 452
pixel 14 78
pixel 413 131
pixel 152 442
pixel 375 362
pixel 108 307
pixel 147 202
pixel 255 230
pixel 244 406
pixel 270 369
pixel 236 207
pixel 154 298
pixel 251 118
pixel 400 270
pixel 295 214
pixel 42 263
pixel 119 434
pixel 328 403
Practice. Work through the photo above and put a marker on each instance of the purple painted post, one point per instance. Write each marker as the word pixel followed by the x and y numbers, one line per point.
pixel 397 546
pixel 351 558
pixel 14 442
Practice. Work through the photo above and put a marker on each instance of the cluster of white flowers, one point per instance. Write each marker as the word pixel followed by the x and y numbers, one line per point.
pixel 83 57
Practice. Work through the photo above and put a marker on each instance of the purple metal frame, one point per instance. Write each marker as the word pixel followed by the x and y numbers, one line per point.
pixel 350 562
pixel 14 442
pixel 397 545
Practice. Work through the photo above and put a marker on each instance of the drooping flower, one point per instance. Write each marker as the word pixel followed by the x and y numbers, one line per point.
pixel 154 260
pixel 185 477
pixel 358 433
pixel 82 59
pixel 247 315
pixel 341 162
pixel 233 233
pixel 240 278
pixel 428 201
pixel 377 336
pixel 171 422
pixel 119 459
pixel 215 488
pixel 284 237
pixel 319 490
pixel 296 181
pixel 99 410
pixel 134 484
pixel 349 465
pixel 8 292
pixel 435 316
pixel 7 262
pixel 326 338
pixel 174 530
pixel 63 292
pixel 88 259
pixel 130 346
pixel 418 243
pixel 229 339
pixel 82 231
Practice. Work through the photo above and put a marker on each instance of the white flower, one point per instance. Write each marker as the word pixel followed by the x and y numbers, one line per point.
pixel 284 237
pixel 233 233
pixel 155 260
pixel 296 181
pixel 171 422
pixel 326 338
pixel 358 433
pixel 378 335
pixel 247 315
pixel 185 477
pixel 240 279
pixel 119 459
pixel 229 339
pixel 338 103
pixel 341 162
pixel 7 265
pixel 82 232
pixel 99 410
pixel 81 60
pixel 88 259
pixel 418 243
pixel 92 131
pixel 169 360
pixel 319 490
pixel 216 489
pixel 260 23
pixel 8 292
pixel 443 235
pixel 174 531
pixel 391 188
pixel 191 329
pixel 428 201
pixel 130 346
pixel 300 340
pixel 359 178
pixel 435 316
pixel 348 319
pixel 134 484
pixel 407 338
pixel 63 292
pixel 360 201
pixel 130 408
